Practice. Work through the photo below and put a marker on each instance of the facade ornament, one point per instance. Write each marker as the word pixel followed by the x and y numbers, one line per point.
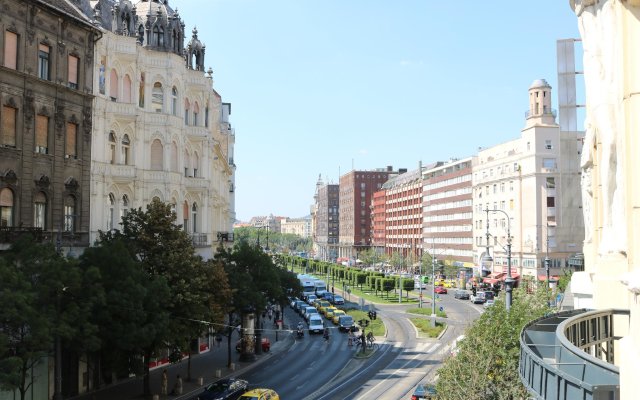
pixel 9 177
pixel 43 183
pixel 28 105
pixel 86 120
pixel 71 184
pixel 59 119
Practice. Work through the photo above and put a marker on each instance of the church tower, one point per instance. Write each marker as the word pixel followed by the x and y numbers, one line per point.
pixel 540 111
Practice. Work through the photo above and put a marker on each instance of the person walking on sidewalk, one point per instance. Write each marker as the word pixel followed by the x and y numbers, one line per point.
pixel 351 336
pixel 164 383
pixel 177 388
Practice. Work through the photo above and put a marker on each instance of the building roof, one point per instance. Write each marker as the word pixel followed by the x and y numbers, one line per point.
pixel 539 83
pixel 67 7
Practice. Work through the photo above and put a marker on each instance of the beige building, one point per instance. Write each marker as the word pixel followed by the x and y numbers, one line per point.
pixel 533 182
pixel 296 226
pixel 610 30
pixel 160 130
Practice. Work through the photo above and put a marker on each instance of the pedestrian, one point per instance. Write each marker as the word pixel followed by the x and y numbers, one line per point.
pixel 351 336
pixel 325 334
pixel 164 383
pixel 270 313
pixel 218 339
pixel 177 388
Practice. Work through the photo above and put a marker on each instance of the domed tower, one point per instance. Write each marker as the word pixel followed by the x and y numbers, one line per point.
pixel 195 52
pixel 118 16
pixel 159 27
pixel 540 111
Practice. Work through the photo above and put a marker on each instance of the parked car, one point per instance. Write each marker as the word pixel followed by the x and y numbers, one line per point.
pixel 224 389
pixel 422 391
pixel 260 394
pixel 441 290
pixel 338 300
pixel 461 294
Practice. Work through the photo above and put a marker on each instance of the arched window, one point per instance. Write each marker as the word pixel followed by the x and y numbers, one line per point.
pixel 156 36
pixel 196 163
pixel 174 101
pixel 157 97
pixel 112 147
pixel 174 157
pixel 187 163
pixel 126 145
pixel 6 207
pixel 126 89
pixel 196 111
pixel 156 155
pixel 194 217
pixel 111 212
pixel 39 210
pixel 124 209
pixel 206 115
pixel 161 37
pixel 113 85
pixel 69 214
pixel 187 106
pixel 185 216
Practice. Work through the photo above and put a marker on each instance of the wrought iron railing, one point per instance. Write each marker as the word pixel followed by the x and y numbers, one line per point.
pixel 569 355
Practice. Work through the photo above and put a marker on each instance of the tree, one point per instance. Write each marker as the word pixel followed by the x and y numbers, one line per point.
pixel 164 249
pixel 486 366
pixel 134 315
pixel 42 299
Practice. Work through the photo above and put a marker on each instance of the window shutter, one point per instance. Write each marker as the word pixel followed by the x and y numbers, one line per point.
pixel 6 198
pixel 73 71
pixel 156 155
pixel 113 84
pixel 70 149
pixel 8 126
pixel 126 89
pixel 42 126
pixel 10 50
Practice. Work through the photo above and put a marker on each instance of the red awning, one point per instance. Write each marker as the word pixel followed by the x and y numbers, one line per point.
pixel 551 277
pixel 491 280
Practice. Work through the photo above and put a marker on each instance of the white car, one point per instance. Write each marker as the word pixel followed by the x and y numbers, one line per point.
pixel 315 323
pixel 488 303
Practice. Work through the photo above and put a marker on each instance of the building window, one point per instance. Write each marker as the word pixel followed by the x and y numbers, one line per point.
pixel 174 101
pixel 8 136
pixel 6 207
pixel 72 66
pixel 551 201
pixel 502 187
pixel 157 97
pixel 551 183
pixel 141 91
pixel 126 89
pixel 158 36
pixel 125 206
pixel 113 85
pixel 511 186
pixel 549 163
pixel 112 147
pixel 548 145
pixel 43 61
pixel 185 216
pixel 39 211
pixel 511 204
pixel 10 50
pixel 194 217
pixel 111 212
pixel 206 116
pixel 69 214
pixel 42 134
pixel 196 163
pixel 196 111
pixel 495 188
pixel 156 155
pixel 187 107
pixel 70 150
pixel 126 145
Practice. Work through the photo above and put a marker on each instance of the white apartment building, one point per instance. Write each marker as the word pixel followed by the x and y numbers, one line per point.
pixel 297 226
pixel 534 183
pixel 160 130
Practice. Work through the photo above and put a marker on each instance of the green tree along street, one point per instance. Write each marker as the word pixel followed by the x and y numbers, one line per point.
pixel 42 298
pixel 486 365
pixel 138 292
pixel 280 242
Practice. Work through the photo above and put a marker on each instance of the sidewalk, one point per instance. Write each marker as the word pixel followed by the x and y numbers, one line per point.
pixel 204 365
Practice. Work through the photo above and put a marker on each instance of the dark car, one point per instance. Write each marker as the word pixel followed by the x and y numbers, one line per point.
pixel 338 300
pixel 426 392
pixel 229 388
pixel 461 294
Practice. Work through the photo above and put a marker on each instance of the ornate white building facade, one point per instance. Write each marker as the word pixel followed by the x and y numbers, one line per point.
pixel 160 129
pixel 534 182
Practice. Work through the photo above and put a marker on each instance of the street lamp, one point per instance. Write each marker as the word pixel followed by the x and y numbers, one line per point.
pixel 509 281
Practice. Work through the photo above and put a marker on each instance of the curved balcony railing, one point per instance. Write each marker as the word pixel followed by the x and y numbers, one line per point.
pixel 570 355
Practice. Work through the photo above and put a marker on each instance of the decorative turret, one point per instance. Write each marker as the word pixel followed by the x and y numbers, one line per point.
pixel 158 26
pixel 540 111
pixel 195 52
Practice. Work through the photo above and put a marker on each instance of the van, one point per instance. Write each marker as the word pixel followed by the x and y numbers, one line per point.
pixel 315 323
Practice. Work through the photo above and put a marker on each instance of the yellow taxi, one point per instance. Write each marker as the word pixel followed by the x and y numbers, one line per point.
pixel 336 316
pixel 328 312
pixel 260 394
pixel 321 305
pixel 449 284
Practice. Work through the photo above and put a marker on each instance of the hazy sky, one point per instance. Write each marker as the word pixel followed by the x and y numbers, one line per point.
pixel 325 86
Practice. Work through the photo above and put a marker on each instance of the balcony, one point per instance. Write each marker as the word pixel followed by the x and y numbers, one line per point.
pixel 570 355
pixel 199 239
pixel 9 234
pixel 529 114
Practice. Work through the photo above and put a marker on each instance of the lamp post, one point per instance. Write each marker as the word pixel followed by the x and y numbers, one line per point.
pixel 547 265
pixel 433 289
pixel 509 281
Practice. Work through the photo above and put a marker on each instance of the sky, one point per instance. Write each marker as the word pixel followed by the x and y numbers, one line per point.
pixel 322 87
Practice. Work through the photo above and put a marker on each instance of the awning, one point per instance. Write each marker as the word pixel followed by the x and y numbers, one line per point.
pixel 496 275
pixel 492 281
pixel 551 277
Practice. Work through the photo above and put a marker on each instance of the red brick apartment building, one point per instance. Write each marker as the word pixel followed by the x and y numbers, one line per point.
pixel 403 215
pixel 356 194
pixel 448 209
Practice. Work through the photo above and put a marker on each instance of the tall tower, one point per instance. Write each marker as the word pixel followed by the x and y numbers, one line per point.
pixel 540 111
